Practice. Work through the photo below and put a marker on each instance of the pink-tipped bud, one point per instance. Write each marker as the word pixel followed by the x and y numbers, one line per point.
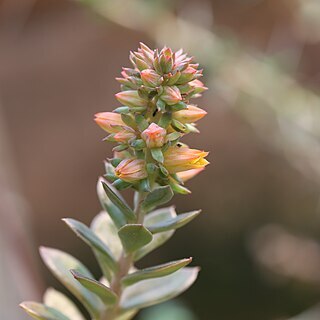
pixel 189 174
pixel 171 95
pixel 123 136
pixel 150 78
pixel 131 98
pixel 187 75
pixel 131 170
pixel 182 159
pixel 198 86
pixel 154 136
pixel 109 121
pixel 189 115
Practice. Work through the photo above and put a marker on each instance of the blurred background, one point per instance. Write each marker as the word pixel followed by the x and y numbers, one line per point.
pixel 258 239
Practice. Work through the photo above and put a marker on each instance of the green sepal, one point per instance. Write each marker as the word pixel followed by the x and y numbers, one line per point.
pixel 178 188
pixel 110 177
pixel 157 154
pixel 108 263
pixel 156 64
pixel 123 109
pixel 145 185
pixel 59 263
pixel 174 223
pixel 161 105
pixel 191 128
pixel 128 120
pixel 157 197
pixel 121 185
pixel 179 106
pixel 152 168
pixel 155 272
pixel 134 237
pixel 120 147
pixel 141 122
pixel 173 136
pixel 113 211
pixel 40 311
pixel 178 126
pixel 173 79
pixel 115 162
pixel 138 144
pixel 163 170
pixel 165 120
pixel 107 296
pixel 153 291
pixel 119 203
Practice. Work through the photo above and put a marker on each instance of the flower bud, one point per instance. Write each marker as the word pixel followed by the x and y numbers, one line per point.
pixel 131 170
pixel 177 159
pixel 187 75
pixel 189 115
pixel 109 121
pixel 124 136
pixel 197 86
pixel 131 98
pixel 154 136
pixel 171 95
pixel 189 174
pixel 150 78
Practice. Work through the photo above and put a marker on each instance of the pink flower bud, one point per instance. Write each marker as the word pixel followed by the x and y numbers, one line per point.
pixel 154 136
pixel 189 174
pixel 171 95
pixel 131 170
pixel 190 115
pixel 124 136
pixel 109 121
pixel 131 98
pixel 182 159
pixel 198 86
pixel 151 78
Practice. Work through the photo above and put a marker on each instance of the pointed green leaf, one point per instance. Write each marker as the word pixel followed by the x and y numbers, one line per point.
pixel 159 238
pixel 95 243
pixel 157 154
pixel 134 236
pixel 103 292
pixel 153 291
pixel 42 312
pixel 105 229
pixel 157 197
pixel 57 300
pixel 118 202
pixel 174 223
pixel 155 272
pixel 59 264
pixel 113 211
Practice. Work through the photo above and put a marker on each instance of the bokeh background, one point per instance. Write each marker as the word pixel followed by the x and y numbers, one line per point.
pixel 258 239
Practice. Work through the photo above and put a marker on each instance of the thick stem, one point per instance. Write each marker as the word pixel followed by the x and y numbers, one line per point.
pixel 125 264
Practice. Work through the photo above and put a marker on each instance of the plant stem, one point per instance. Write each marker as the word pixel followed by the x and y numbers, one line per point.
pixel 125 264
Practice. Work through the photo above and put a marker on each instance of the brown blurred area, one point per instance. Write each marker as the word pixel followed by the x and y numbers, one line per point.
pixel 58 61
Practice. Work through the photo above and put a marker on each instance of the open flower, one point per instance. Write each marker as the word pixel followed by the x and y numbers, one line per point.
pixel 181 159
pixel 131 170
pixel 154 136
pixel 109 121
pixel 189 115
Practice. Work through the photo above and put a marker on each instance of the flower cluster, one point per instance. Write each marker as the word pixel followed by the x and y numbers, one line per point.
pixel 154 115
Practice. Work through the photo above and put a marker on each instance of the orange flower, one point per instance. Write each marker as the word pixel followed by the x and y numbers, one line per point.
pixel 109 121
pixel 131 170
pixel 189 174
pixel 190 115
pixel 182 159
pixel 154 136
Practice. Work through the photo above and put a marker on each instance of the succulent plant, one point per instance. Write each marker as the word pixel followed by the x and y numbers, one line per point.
pixel 150 159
